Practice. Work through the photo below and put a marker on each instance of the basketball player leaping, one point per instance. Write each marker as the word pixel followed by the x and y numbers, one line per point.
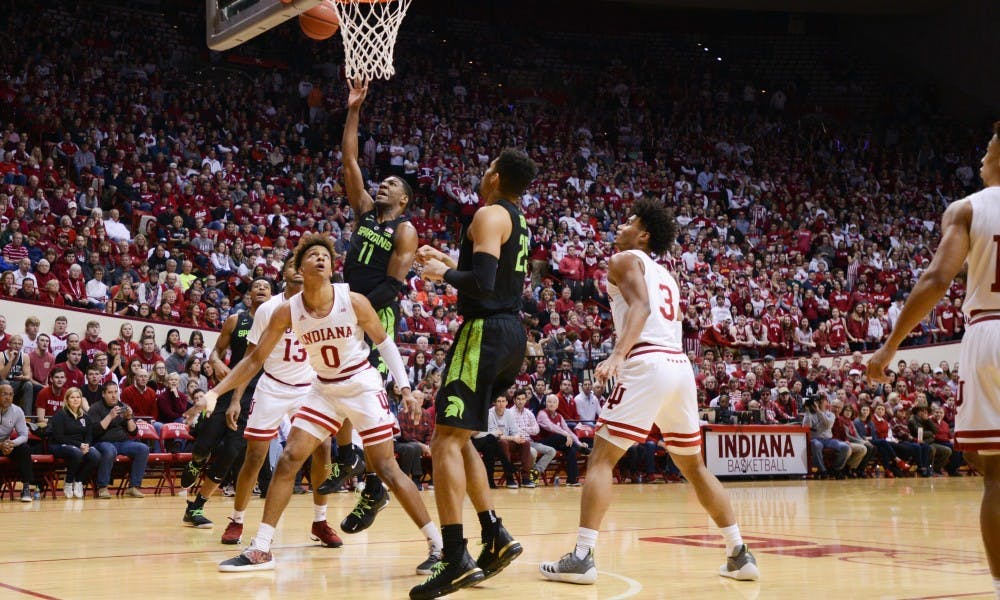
pixel 330 322
pixel 380 256
pixel 278 392
pixel 969 231
pixel 655 384
pixel 484 360
pixel 221 434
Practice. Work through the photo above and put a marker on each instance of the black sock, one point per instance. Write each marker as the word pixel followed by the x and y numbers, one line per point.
pixel 454 540
pixel 345 454
pixel 199 501
pixel 489 521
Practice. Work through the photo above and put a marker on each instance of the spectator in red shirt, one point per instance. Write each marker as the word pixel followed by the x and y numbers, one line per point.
pixel 92 342
pixel 50 398
pixel 75 376
pixel 141 398
pixel 42 361
pixel 571 269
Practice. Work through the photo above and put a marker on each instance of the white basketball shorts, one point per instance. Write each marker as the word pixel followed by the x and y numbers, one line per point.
pixel 977 418
pixel 359 397
pixel 273 400
pixel 656 385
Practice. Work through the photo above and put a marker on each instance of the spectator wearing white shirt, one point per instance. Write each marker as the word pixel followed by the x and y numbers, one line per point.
pixel 115 229
pixel 97 290
pixel 23 272
pixel 588 405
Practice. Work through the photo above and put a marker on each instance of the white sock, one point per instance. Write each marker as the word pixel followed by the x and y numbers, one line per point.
pixel 586 539
pixel 733 538
pixel 262 541
pixel 319 512
pixel 238 516
pixel 433 535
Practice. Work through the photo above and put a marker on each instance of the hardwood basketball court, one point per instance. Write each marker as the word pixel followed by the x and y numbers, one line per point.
pixel 879 538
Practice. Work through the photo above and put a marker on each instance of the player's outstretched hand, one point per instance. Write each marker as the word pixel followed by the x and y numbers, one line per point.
pixel 210 398
pixel 608 369
pixel 878 365
pixel 434 270
pixel 358 90
pixel 425 253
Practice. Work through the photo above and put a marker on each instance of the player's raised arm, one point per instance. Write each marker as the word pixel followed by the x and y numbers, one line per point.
pixel 358 197
pixel 243 372
pixel 369 322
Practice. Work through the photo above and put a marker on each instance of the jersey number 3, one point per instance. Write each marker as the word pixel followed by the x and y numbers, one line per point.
pixel 667 307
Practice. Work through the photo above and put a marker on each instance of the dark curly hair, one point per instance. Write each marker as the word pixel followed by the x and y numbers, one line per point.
pixel 516 171
pixel 658 220
pixel 308 241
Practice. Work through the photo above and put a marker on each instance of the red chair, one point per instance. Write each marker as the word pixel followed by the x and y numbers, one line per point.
pixel 159 462
pixel 44 467
pixel 174 434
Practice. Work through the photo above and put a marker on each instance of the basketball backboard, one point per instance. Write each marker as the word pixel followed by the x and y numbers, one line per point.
pixel 229 23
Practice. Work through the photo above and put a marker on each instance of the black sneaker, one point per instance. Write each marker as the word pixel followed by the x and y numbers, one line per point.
pixel 339 473
pixel 190 473
pixel 373 499
pixel 195 517
pixel 427 567
pixel 498 552
pixel 447 577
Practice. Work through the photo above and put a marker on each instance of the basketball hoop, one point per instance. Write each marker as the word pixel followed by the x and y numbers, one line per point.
pixel 369 29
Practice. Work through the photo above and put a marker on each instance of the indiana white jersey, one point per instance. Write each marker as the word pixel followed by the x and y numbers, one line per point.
pixel 335 343
pixel 983 287
pixel 287 363
pixel 663 327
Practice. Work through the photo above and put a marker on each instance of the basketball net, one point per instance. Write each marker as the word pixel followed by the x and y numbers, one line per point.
pixel 369 29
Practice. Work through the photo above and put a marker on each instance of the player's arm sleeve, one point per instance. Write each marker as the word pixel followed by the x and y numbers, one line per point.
pixel 384 293
pixel 390 354
pixel 480 281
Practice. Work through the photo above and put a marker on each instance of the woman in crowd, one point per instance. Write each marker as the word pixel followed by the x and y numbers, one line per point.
pixel 71 437
pixel 173 341
pixel 171 401
pixel 130 347
pixel 865 427
pixel 158 377
pixel 192 372
pixel 125 301
pixel 418 371
pixel 196 345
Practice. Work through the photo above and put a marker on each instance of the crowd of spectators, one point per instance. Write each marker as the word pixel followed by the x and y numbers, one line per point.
pixel 134 185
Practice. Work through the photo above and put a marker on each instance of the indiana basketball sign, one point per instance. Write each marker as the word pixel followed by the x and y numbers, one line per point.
pixel 737 451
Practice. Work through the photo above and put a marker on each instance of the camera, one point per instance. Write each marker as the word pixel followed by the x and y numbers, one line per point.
pixel 809 404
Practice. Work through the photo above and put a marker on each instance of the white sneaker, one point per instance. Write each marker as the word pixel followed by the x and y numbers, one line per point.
pixel 78 489
pixel 742 566
pixel 68 488
pixel 570 569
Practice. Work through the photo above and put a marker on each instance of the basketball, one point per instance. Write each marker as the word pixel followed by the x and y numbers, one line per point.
pixel 321 22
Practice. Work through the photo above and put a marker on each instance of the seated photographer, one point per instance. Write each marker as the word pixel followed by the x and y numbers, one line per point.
pixel 113 428
pixel 820 419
